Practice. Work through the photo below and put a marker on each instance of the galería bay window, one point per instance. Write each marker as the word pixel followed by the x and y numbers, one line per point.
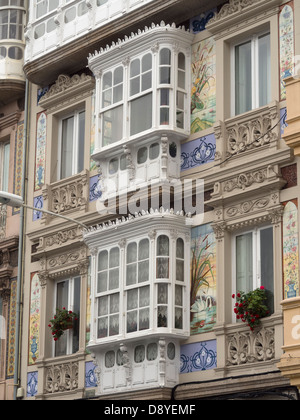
pixel 141 288
pixel 253 261
pixel 144 93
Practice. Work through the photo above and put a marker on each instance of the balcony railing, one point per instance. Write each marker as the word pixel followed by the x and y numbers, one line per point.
pixel 50 29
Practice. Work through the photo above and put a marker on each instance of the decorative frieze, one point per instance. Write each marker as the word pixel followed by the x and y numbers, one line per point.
pixel 61 377
pixel 251 347
pixel 3 214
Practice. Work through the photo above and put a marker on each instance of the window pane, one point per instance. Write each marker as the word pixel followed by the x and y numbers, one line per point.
pixel 81 130
pixel 131 252
pixel 131 274
pixel 244 263
pixel 112 127
pixel 76 309
pixel 143 274
pixel 243 78
pixel 146 63
pixel 103 306
pixel 132 299
pixel 267 264
pixel 114 257
pixel 107 80
pixel 144 297
pixel 165 56
pixel 181 61
pixel 114 325
pixel 113 166
pixel 162 293
pixel 264 70
pixel 110 359
pixel 178 318
pixel 102 327
pixel 103 261
pixel 141 114
pixel 139 354
pixel 102 282
pixel 132 321
pixel 144 249
pixel 144 319
pixel 152 351
pixel 163 245
pixel 67 147
pixel 165 75
pixel 113 279
pixel 142 155
pixel 135 68
pixel 134 86
pixel 180 248
pixel 62 294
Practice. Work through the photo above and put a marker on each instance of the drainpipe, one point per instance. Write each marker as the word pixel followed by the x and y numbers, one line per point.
pixel 21 254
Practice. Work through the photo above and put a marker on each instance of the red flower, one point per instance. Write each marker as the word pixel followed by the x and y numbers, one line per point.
pixel 233 296
pixel 262 288
pixel 238 295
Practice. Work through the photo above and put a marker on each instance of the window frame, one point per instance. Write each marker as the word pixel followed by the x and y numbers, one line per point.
pixel 75 149
pixel 68 334
pixel 256 248
pixel 254 40
pixel 5 165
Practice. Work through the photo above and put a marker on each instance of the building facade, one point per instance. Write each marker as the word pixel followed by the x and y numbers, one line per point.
pixel 159 128
pixel 12 124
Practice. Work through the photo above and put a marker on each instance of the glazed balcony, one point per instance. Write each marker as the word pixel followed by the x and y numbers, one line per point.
pixel 61 34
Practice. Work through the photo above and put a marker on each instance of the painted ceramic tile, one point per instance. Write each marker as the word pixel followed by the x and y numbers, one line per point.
pixel 88 305
pixel 291 250
pixel 40 158
pixel 203 100
pixel 38 203
pixel 198 23
pixel 198 152
pixel 95 191
pixel 90 377
pixel 32 383
pixel 198 357
pixel 12 329
pixel 34 319
pixel 203 279
pixel 283 117
pixel 286 40
pixel 18 161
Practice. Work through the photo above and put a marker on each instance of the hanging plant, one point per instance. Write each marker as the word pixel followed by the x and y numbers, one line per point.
pixel 251 307
pixel 62 321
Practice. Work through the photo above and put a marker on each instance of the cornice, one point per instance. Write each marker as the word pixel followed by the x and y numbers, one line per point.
pixel 10 120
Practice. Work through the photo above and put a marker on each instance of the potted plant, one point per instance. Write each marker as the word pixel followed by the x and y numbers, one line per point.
pixel 62 321
pixel 251 307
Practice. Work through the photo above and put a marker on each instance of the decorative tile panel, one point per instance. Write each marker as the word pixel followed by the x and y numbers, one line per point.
pixel 290 234
pixel 32 383
pixel 34 319
pixel 38 203
pixel 286 45
pixel 198 152
pixel 95 191
pixel 18 162
pixel 40 157
pixel 90 376
pixel 12 329
pixel 203 95
pixel 198 357
pixel 203 279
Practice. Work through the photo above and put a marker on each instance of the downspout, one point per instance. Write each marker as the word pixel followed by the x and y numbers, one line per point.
pixel 19 308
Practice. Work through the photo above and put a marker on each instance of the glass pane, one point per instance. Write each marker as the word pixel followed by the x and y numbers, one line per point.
pixel 135 86
pixel 103 306
pixel 146 63
pixel 135 68
pixel 164 116
pixel 107 98
pixel 163 245
pixel 181 79
pixel 102 327
pixel 113 166
pixel 131 252
pixel 76 309
pixel 132 321
pixel 180 248
pixel 142 155
pixel 144 249
pixel 154 151
pixel 178 296
pixel 62 299
pixel 165 75
pixel 2 49
pixel 243 78
pixel 139 354
pixel 180 100
pixel 107 80
pixel 118 93
pixel 141 114
pixel 146 81
pixel 15 53
pixel 152 351
pixel 132 299
pixel 114 257
pixel 144 319
pixel 70 15
pixel 171 351
pixel 162 293
pixel 165 56
pixel 162 269
pixel 264 68
pixel 267 264
pixel 144 299
pixel 181 61
pixel 113 279
pixel 131 274
pixel 114 303
pixel 123 163
pixel 102 260
pixel 118 76
pixel 165 97
pixel 102 282
pixel 112 127
pixel 143 271
pixel 178 318
pixel 180 270
pixel 67 147
pixel 244 262
pixel 162 317
pixel 81 130
pixel 113 325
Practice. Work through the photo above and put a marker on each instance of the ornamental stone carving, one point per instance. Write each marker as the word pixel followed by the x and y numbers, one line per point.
pixel 250 347
pixel 61 378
